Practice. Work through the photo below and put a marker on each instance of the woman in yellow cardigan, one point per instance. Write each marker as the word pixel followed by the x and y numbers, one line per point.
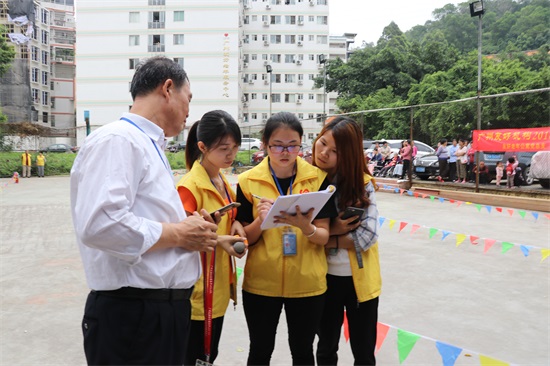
pixel 278 276
pixel 212 145
pixel 353 280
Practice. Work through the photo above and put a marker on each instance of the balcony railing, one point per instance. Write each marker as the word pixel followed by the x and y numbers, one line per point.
pixel 156 48
pixel 156 25
pixel 157 2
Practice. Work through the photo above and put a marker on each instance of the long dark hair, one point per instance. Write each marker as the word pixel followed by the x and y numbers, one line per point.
pixel 351 165
pixel 210 129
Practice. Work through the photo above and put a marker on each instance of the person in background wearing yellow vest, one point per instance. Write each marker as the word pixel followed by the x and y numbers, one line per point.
pixel 26 162
pixel 212 144
pixel 278 275
pixel 338 151
pixel 40 162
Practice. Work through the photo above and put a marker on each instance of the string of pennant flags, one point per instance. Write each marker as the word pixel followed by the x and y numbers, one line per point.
pixel 407 340
pixel 458 203
pixel 461 238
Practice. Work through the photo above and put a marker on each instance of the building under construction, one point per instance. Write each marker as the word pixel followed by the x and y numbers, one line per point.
pixel 39 87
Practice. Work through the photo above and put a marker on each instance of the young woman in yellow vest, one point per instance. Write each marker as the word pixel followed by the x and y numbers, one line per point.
pixel 212 145
pixel 277 276
pixel 353 279
pixel 40 163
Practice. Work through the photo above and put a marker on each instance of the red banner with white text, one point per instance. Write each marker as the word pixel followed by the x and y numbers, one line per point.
pixel 517 139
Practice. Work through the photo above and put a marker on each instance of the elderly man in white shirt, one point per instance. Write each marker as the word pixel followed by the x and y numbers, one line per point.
pixel 139 250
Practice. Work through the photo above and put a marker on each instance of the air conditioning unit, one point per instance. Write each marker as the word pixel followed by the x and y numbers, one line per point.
pixel 266 43
pixel 266 63
pixel 264 120
pixel 298 101
pixel 300 22
pixel 300 43
pixel 300 82
pixel 245 64
pixel 266 82
pixel 311 3
pixel 247 6
pixel 266 24
pixel 268 7
pixel 298 62
pixel 251 81
pixel 320 66
pixel 245 105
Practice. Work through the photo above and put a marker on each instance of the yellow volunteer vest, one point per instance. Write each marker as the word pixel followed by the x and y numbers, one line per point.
pixel 40 160
pixel 267 271
pixel 367 280
pixel 225 275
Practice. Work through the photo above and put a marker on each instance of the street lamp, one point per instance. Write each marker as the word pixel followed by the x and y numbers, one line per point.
pixel 323 61
pixel 269 69
pixel 476 10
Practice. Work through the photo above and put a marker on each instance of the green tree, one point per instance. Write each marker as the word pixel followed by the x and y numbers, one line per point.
pixel 7 53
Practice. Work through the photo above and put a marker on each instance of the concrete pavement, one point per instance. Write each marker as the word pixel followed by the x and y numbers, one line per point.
pixel 492 304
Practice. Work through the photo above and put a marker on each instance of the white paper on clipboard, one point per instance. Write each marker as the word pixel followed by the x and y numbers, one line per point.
pixel 305 200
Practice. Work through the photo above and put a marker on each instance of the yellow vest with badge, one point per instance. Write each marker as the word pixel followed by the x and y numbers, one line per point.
pixel 225 275
pixel 268 272
pixel 367 280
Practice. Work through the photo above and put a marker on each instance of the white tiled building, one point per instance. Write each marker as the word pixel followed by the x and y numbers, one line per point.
pixel 224 45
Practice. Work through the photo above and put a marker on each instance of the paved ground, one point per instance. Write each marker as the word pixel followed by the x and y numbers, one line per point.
pixel 491 304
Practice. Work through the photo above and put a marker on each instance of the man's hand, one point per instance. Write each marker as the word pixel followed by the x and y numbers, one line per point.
pixel 194 233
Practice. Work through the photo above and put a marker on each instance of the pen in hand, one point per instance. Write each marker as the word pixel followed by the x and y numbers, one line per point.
pixel 256 196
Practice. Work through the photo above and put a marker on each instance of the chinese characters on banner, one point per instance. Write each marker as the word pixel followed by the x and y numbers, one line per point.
pixel 225 70
pixel 520 139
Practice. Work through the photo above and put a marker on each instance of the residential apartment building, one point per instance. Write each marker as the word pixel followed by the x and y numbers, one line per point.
pixel 282 43
pixel 40 87
pixel 226 47
pixel 201 35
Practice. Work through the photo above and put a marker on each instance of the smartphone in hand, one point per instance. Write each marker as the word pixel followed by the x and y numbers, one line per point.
pixel 224 209
pixel 353 211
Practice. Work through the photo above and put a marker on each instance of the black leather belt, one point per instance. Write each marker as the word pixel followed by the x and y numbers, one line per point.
pixel 149 294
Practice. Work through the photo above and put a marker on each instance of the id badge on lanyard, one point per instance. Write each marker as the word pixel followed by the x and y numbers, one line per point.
pixel 289 242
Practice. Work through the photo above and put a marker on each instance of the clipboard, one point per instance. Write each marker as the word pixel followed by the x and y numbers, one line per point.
pixel 288 204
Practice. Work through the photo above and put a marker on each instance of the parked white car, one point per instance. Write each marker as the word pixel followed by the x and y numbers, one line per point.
pixel 250 144
pixel 395 145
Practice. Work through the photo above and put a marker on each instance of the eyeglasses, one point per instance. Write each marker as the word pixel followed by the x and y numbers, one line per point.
pixel 277 149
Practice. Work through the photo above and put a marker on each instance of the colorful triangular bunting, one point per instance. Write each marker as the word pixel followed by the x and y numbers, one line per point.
pixel 448 353
pixel 535 215
pixel 445 234
pixel 474 239
pixel 381 333
pixel 381 221
pixel 488 208
pixel 459 239
pixel 525 249
pixel 392 222
pixel 522 214
pixel 510 211
pixel 488 244
pixel 545 253
pixel 405 343
pixel 489 361
pixel 506 246
pixel 414 228
pixel 433 231
pixel 402 225
pixel 346 327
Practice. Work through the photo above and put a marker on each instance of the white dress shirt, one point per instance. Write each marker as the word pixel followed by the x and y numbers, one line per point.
pixel 121 191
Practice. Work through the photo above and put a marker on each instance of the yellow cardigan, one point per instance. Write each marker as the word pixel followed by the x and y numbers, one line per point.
pixel 198 183
pixel 268 272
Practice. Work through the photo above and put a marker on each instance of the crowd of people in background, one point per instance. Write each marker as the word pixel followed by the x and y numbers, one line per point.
pixel 456 160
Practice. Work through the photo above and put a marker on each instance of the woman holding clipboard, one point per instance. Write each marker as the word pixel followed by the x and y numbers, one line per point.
pixel 353 279
pixel 212 145
pixel 286 266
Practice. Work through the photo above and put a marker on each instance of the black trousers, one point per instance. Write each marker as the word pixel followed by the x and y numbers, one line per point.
pixel 406 167
pixel 443 168
pixel 122 331
pixel 362 320
pixel 452 171
pixel 262 316
pixel 195 347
